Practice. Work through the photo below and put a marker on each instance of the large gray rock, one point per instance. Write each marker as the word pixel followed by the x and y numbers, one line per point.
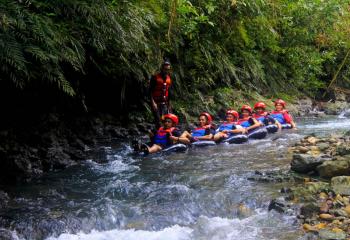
pixel 304 163
pixel 335 108
pixel 341 185
pixel 330 169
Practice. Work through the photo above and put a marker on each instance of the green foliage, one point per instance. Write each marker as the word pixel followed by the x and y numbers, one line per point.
pixel 265 47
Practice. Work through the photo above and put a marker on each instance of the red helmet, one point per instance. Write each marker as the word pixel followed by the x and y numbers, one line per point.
pixel 260 105
pixel 280 101
pixel 207 115
pixel 232 112
pixel 172 117
pixel 246 107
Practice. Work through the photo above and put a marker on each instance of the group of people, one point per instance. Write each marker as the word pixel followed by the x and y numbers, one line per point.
pixel 166 122
pixel 236 123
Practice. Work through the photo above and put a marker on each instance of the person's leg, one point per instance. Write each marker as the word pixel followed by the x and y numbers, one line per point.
pixel 218 136
pixel 154 148
pixel 156 117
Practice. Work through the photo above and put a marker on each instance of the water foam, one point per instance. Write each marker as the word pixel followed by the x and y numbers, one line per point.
pixel 171 233
pixel 214 228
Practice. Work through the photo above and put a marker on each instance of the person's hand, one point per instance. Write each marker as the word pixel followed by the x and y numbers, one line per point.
pixel 225 131
pixel 154 106
pixel 244 130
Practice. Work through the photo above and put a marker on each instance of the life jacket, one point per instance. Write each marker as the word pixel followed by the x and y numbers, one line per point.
pixel 225 126
pixel 282 117
pixel 260 117
pixel 200 131
pixel 161 137
pixel 244 122
pixel 160 93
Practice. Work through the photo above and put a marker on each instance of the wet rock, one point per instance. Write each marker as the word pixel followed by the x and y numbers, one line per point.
pixel 326 234
pixel 279 206
pixel 330 169
pixel 339 212
pixel 341 185
pixel 343 149
pixel 304 163
pixel 244 211
pixel 326 216
pixel 302 149
pixel 309 209
pixel 335 108
pixel 323 146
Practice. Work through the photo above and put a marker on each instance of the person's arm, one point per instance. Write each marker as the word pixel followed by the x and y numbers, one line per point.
pixel 208 135
pixel 289 119
pixel 254 124
pixel 175 136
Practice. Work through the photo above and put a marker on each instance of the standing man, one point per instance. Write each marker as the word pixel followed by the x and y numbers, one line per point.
pixel 159 93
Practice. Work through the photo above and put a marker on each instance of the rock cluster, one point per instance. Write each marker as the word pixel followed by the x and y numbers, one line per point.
pixel 325 209
pixel 325 206
pixel 326 157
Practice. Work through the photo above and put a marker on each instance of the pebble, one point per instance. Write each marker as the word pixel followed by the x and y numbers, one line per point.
pixel 326 216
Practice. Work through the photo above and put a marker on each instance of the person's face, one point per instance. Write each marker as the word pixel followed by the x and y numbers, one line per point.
pixel 166 69
pixel 245 113
pixel 279 107
pixel 259 110
pixel 168 123
pixel 229 117
pixel 202 120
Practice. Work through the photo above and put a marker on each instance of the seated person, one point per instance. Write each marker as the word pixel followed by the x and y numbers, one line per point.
pixel 164 137
pixel 281 114
pixel 205 131
pixel 263 116
pixel 246 120
pixel 228 128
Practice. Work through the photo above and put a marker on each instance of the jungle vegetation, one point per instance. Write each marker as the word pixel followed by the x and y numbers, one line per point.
pixel 82 49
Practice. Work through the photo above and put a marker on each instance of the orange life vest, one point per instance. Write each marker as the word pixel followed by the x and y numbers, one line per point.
pixel 160 93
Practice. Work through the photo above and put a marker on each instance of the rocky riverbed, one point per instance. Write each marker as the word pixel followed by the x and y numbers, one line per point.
pixel 324 197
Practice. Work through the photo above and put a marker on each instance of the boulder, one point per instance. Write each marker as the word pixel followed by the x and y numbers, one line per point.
pixel 330 169
pixel 341 185
pixel 304 163
pixel 335 108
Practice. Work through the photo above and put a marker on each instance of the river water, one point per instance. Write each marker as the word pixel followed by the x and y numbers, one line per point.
pixel 200 194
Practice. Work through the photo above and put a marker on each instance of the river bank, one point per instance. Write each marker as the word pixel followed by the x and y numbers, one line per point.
pixel 323 199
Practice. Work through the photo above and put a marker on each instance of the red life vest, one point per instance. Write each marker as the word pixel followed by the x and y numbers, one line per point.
pixel 161 136
pixel 161 91
pixel 282 116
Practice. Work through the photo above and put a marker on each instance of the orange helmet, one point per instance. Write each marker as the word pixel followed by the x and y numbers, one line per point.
pixel 232 112
pixel 260 105
pixel 172 117
pixel 208 116
pixel 246 107
pixel 280 101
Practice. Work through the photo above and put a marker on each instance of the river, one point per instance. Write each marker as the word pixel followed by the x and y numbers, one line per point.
pixel 200 194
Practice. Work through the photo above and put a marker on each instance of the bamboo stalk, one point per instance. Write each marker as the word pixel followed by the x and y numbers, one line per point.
pixel 338 71
pixel 172 17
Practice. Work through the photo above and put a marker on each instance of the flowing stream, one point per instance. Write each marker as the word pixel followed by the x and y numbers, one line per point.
pixel 201 194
